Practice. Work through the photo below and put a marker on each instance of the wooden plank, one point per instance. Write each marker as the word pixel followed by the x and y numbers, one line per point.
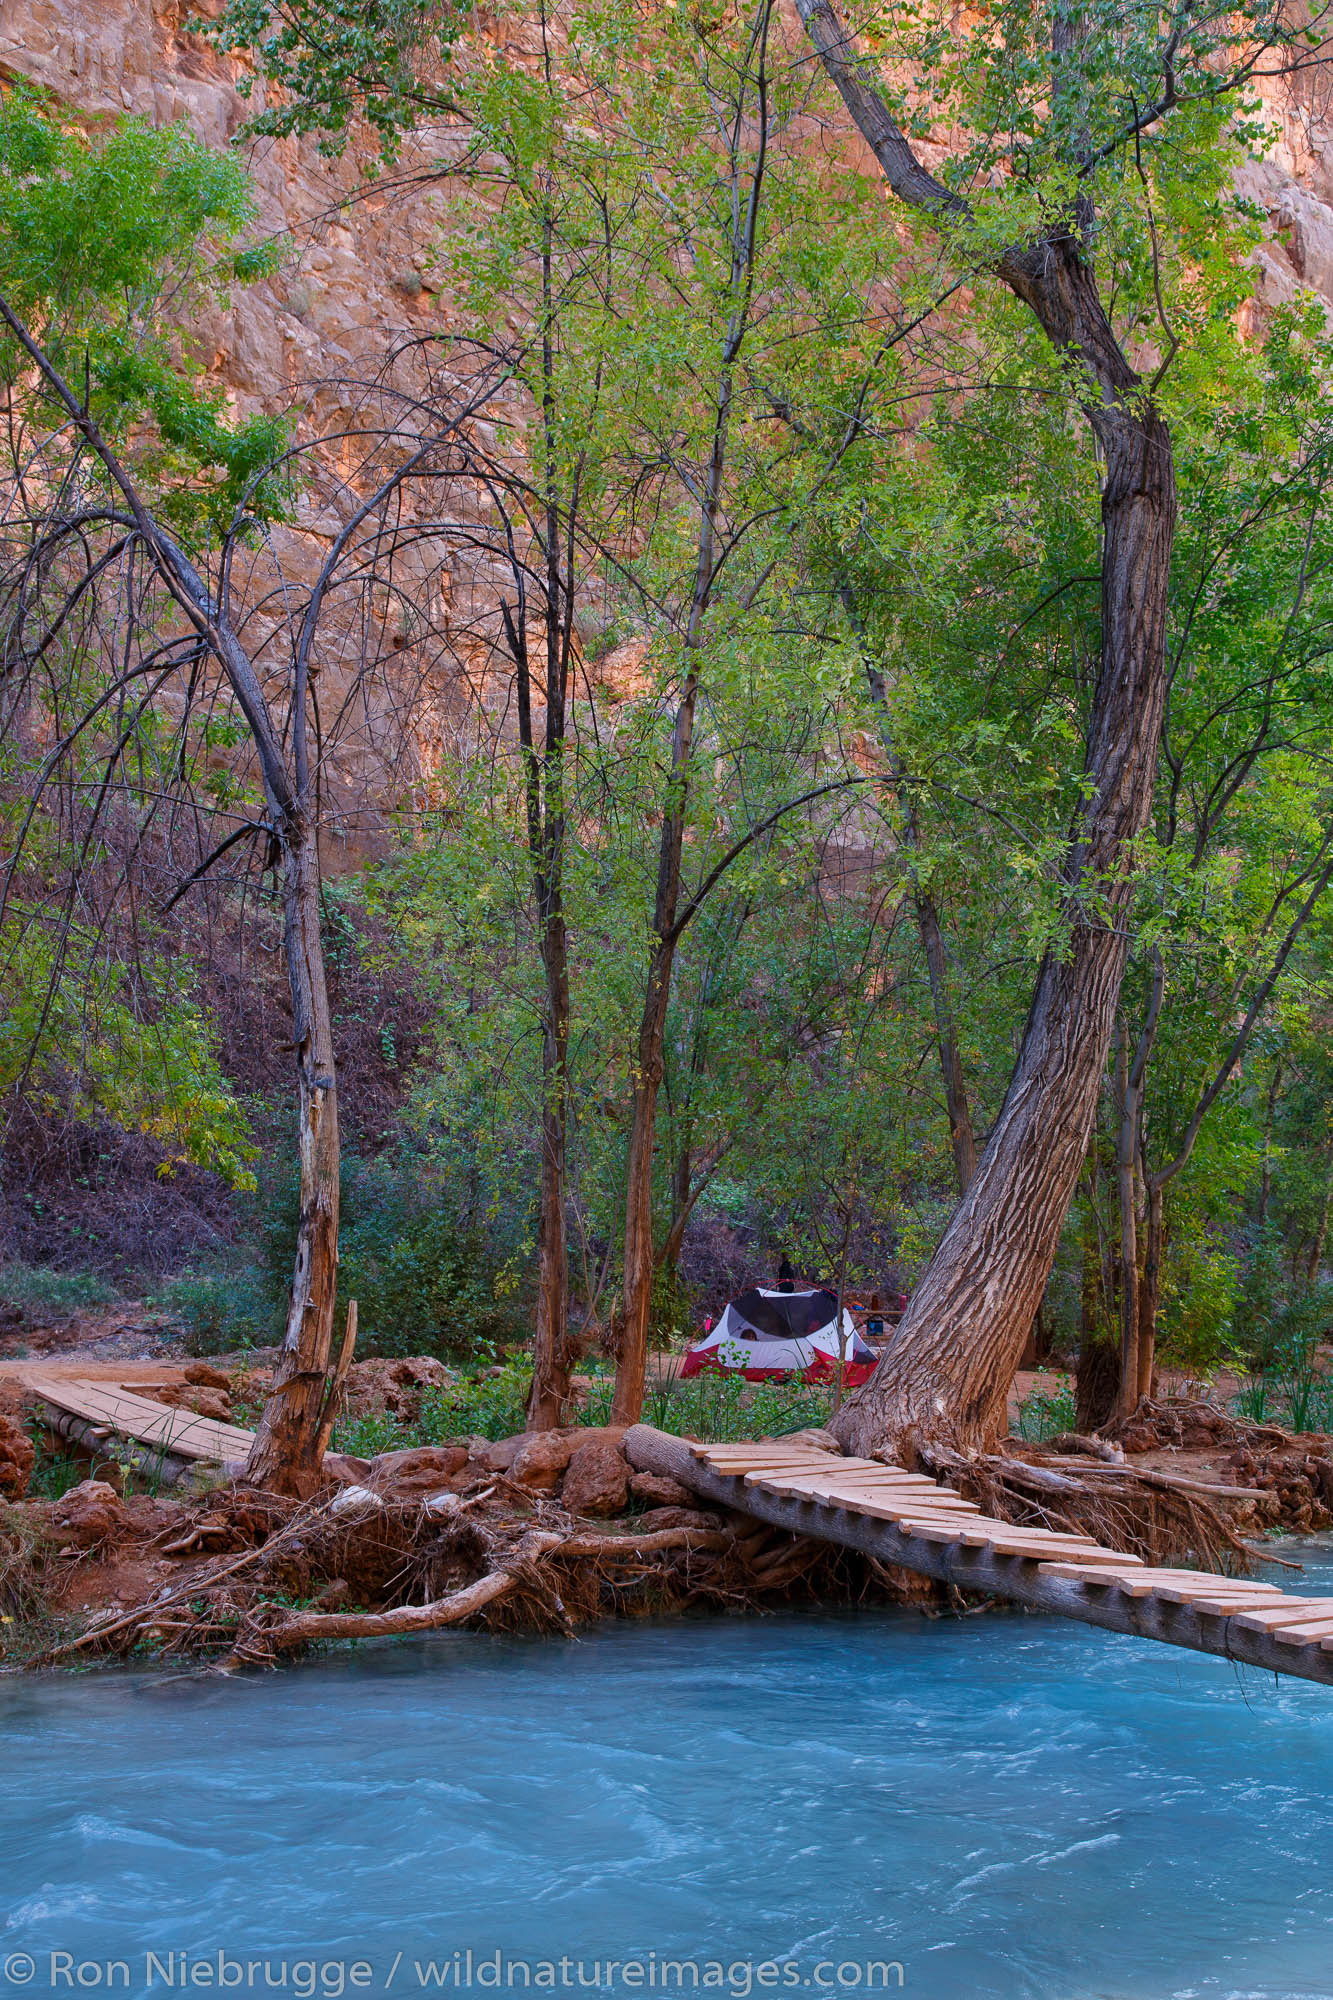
pixel 822 1486
pixel 1238 1590
pixel 1264 1618
pixel 1303 1631
pixel 107 1397
pixel 181 1432
pixel 1103 1576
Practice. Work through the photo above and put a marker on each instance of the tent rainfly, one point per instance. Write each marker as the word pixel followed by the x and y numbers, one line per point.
pixel 770 1336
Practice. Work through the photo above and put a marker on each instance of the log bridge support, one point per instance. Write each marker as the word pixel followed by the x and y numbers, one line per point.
pixel 909 1520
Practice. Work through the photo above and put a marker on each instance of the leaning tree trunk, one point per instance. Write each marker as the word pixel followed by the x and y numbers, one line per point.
pixel 946 1374
pixel 547 1404
pixel 285 1453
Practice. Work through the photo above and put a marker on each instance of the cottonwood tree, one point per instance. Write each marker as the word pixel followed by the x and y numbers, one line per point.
pixel 1103 142
pixel 121 603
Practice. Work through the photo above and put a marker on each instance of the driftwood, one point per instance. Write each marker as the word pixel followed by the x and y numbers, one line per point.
pixel 265 1634
pixel 981 1570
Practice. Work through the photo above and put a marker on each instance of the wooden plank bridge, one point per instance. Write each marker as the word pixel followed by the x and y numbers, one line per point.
pixel 106 1410
pixel 909 1520
pixel 903 1518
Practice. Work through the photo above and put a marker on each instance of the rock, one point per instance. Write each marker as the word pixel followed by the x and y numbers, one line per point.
pixel 374 1388
pixel 540 1460
pixel 500 1455
pixel 344 1470
pixel 201 1400
pixel 204 1377
pixel 675 1517
pixel 17 1458
pixel 659 1491
pixel 89 1515
pixel 597 1481
pixel 542 1456
pixel 354 1502
pixel 411 1475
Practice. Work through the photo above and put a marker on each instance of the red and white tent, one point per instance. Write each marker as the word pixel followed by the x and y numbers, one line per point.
pixel 771 1336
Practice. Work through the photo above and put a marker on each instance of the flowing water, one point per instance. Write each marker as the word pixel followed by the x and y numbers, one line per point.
pixel 1000 1806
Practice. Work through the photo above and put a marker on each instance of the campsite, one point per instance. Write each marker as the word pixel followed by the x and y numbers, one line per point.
pixel 666 1015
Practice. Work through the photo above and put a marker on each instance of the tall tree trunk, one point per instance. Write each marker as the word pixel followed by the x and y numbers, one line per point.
pixel 640 1264
pixel 1270 1108
pixel 961 1135
pixel 1126 1173
pixel 1150 1287
pixel 1325 1210
pixel 946 1373
pixel 632 1358
pixel 549 1398
pixel 285 1453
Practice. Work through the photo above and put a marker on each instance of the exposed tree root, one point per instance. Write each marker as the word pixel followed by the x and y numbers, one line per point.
pixel 1162 1519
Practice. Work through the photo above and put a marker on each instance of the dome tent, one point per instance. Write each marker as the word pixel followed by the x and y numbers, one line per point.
pixel 766 1336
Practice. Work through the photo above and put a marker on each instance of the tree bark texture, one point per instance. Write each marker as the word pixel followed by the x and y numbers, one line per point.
pixel 286 1454
pixel 947 1371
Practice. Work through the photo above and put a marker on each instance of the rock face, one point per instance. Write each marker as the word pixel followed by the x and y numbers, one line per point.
pixel 17 1458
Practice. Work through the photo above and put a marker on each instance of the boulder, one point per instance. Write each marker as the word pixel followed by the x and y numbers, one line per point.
pixel 540 1460
pixel 396 1387
pixel 499 1455
pixel 89 1515
pixel 17 1458
pixel 819 1440
pixel 411 1475
pixel 597 1481
pixel 203 1377
pixel 659 1491
pixel 541 1456
pixel 345 1470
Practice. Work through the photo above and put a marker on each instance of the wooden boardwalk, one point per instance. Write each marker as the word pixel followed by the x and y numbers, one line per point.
pixel 113 1411
pixel 907 1519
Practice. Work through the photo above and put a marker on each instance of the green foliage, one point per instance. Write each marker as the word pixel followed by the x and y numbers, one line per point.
pixel 328 62
pixel 42 1297
pixel 1045 1413
pixel 127 1042
pixel 421 1278
pixel 222 1311
pixel 106 240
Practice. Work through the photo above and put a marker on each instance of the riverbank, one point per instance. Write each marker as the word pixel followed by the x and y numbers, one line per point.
pixel 545 1532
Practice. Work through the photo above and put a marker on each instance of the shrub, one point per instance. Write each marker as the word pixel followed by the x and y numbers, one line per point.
pixel 223 1310
pixel 39 1297
pixel 1046 1413
pixel 423 1283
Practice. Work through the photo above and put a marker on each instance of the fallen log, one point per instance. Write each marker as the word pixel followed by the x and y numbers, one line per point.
pixel 102 1442
pixel 979 1569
